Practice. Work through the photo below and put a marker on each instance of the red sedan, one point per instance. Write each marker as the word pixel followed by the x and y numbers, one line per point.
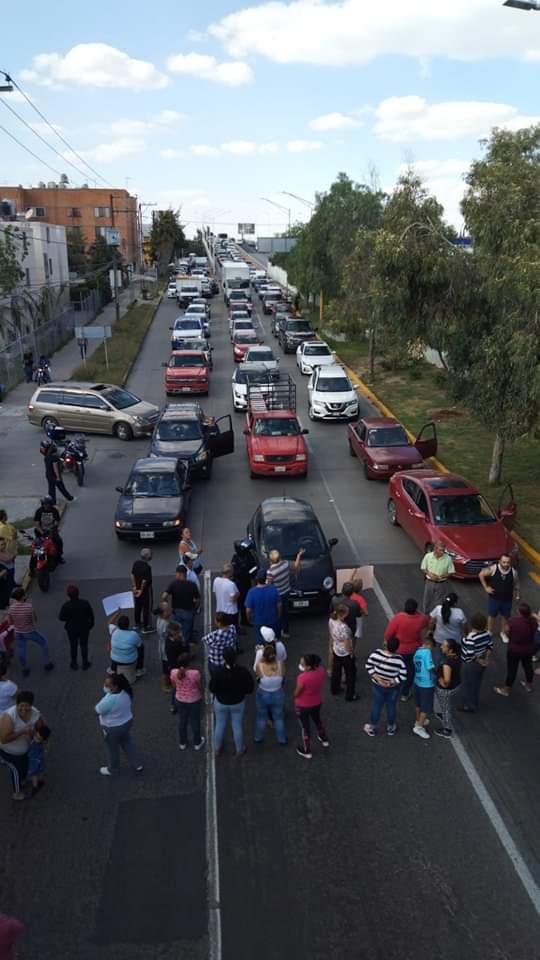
pixel 383 446
pixel 241 344
pixel 431 506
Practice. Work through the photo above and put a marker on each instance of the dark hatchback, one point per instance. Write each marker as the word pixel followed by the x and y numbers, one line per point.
pixel 183 431
pixel 287 524
pixel 153 503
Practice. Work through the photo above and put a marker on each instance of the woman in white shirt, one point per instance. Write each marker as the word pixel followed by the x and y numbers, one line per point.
pixel 270 699
pixel 17 726
pixel 341 653
pixel 116 718
pixel 448 622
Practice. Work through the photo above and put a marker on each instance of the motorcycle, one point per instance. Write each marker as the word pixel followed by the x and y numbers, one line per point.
pixel 43 560
pixel 73 458
pixel 43 372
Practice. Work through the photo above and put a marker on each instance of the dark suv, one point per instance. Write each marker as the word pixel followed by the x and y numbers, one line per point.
pixel 293 332
pixel 185 432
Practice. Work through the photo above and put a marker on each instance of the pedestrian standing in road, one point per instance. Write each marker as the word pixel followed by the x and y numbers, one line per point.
pixel 437 566
pixel 184 599
pixel 475 651
pixel 521 648
pixel 244 569
pixel 36 756
pixel 387 671
pixel 187 685
pixel 22 617
pixel 8 689
pixel 280 573
pixel 218 640
pixel 308 698
pixel 447 622
pixel 354 610
pixel 116 720
pixel 53 472
pixel 341 653
pixel 175 647
pixel 424 686
pixel 501 583
pixel 78 618
pixel 141 585
pixel 187 545
pixel 263 606
pixel 448 681
pixel 230 686
pixel 163 616
pixel 358 597
pixel 408 626
pixel 268 636
pixel 191 576
pixel 16 731
pixel 8 552
pixel 83 346
pixel 226 594
pixel 125 645
pixel 270 695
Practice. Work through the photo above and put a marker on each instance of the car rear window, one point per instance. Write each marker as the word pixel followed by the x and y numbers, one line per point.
pixel 187 361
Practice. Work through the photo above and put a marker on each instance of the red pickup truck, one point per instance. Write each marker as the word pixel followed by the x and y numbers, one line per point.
pixel 187 372
pixel 275 441
pixel 383 446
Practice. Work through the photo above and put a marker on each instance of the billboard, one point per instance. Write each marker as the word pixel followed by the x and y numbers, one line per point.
pixel 246 228
pixel 275 244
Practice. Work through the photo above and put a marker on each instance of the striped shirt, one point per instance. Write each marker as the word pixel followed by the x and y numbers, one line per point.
pixel 387 666
pixel 280 573
pixel 20 615
pixel 475 645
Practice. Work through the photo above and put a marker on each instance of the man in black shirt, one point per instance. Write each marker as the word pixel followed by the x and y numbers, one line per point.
pixel 345 599
pixel 53 472
pixel 47 520
pixel 184 599
pixel 141 584
pixel 78 617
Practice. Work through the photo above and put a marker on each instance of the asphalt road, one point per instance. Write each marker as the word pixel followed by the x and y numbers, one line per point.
pixel 377 847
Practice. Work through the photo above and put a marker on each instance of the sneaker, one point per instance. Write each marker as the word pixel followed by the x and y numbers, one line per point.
pixel 526 686
pixel 182 746
pixel 369 730
pixel 324 743
pixel 139 769
pixel 200 744
pixel 446 734
pixel 110 671
pixel 405 697
pixel 105 772
pixel 421 732
pixel 426 722
pixel 304 753
pixel 140 673
pixel 504 637
pixel 392 730
pixel 49 666
pixel 147 630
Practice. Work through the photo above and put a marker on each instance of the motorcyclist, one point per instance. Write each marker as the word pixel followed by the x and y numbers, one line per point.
pixel 244 563
pixel 53 470
pixel 45 367
pixel 47 521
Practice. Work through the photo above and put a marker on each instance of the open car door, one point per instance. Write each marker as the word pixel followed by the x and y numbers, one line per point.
pixel 221 437
pixel 426 441
pixel 507 508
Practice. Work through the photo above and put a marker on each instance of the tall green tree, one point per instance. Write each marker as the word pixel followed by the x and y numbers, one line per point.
pixel 100 262
pixel 76 250
pixel 167 238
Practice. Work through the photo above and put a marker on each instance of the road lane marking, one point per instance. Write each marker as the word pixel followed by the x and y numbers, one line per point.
pixel 212 839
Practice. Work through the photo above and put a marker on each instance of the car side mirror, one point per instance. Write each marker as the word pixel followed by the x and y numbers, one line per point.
pixel 304 431
pixel 119 489
pixel 332 542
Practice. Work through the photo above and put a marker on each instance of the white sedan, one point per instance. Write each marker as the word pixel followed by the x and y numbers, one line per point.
pixel 313 353
pixel 171 290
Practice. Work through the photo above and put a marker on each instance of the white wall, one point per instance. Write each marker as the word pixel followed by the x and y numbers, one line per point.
pixel 47 261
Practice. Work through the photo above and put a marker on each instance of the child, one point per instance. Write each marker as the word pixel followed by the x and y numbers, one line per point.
pixel 424 686
pixel 163 616
pixel 36 756
pixel 8 689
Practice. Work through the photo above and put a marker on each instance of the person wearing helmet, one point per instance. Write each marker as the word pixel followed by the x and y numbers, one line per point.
pixel 47 521
pixel 53 473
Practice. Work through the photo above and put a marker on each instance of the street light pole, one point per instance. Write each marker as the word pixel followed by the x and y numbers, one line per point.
pixel 280 207
pixel 308 203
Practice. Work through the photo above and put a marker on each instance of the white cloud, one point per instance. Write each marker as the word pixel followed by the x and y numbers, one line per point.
pixel 204 150
pixel 170 153
pixel 94 65
pixel 429 169
pixel 167 118
pixel 14 97
pixel 240 147
pixel 127 127
pixel 45 130
pixel 334 121
pixel 355 31
pixel 232 73
pixel 195 198
pixel 303 146
pixel 270 147
pixel 116 150
pixel 413 118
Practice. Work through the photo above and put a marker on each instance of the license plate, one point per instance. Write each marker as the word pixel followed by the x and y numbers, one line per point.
pixel 147 535
pixel 300 603
pixel 280 469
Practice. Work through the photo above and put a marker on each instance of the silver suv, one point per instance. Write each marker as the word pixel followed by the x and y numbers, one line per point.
pixel 93 408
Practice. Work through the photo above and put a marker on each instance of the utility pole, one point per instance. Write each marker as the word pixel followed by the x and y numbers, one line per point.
pixel 115 268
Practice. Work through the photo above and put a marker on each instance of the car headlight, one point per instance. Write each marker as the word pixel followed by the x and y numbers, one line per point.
pixel 171 523
pixel 301 456
pixel 122 524
pixel 328 583
pixel 258 458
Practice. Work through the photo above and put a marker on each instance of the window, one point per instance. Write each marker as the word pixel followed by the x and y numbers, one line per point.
pixel 27 272
pixel 40 211
pixel 92 402
pixel 49 396
pixel 102 211
pixel 421 502
pixel 74 212
pixel 73 400
pixel 48 234
pixel 50 267
pixel 101 231
pixel 410 488
pixel 46 265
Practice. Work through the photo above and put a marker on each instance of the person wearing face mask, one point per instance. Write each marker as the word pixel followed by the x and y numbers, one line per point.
pixel 308 697
pixel 116 719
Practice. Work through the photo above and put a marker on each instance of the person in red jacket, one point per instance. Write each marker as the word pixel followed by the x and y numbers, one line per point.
pixel 408 626
pixel 10 931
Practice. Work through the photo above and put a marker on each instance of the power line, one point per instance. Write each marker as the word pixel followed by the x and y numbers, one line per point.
pixel 31 152
pixel 43 140
pixel 59 135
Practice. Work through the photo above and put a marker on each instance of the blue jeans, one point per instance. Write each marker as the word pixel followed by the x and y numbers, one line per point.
pixel 383 697
pixel 185 619
pixel 270 702
pixel 21 640
pixel 224 711
pixel 189 714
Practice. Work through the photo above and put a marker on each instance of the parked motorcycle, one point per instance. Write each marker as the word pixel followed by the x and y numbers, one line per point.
pixel 73 453
pixel 44 560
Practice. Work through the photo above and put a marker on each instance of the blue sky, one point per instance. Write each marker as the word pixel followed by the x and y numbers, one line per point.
pixel 212 107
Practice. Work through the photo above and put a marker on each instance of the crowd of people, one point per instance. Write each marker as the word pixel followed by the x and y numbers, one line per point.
pixel 435 654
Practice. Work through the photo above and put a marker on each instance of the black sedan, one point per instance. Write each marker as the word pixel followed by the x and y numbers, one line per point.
pixel 288 525
pixel 153 503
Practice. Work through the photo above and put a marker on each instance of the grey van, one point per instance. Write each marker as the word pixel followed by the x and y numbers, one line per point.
pixel 92 408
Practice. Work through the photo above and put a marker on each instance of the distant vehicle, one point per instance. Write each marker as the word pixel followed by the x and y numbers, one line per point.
pixel 242 342
pixel 432 506
pixel 383 446
pixel 199 310
pixel 187 372
pixel 261 354
pixel 270 297
pixel 153 503
pixel 237 300
pixel 293 332
pixel 187 289
pixel 235 276
pixel 171 290
pixel 196 343
pixel 278 318
pixel 187 328
pixel 313 353
pixel 274 438
pixel 241 326
pixel 332 395
pixel 184 432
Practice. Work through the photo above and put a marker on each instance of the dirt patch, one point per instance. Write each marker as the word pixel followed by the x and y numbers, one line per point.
pixel 444 414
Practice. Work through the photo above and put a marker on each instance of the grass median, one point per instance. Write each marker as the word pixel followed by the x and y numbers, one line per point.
pixel 122 348
pixel 418 393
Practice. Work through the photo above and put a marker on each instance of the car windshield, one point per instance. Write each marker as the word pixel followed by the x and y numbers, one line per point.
pixel 260 356
pixel 256 376
pixel 277 427
pixel 192 323
pixel 237 315
pixel 288 538
pixel 121 399
pixel 387 437
pixel 191 344
pixel 316 350
pixel 187 361
pixel 153 485
pixel 299 326
pixel 468 509
pixel 179 430
pixel 243 325
pixel 195 309
pixel 245 338
pixel 334 385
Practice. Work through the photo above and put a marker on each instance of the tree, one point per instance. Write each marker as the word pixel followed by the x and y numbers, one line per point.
pixel 502 211
pixel 167 237
pixel 100 261
pixel 13 250
pixel 76 250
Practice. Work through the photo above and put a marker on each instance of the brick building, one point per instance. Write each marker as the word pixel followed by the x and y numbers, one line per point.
pixel 84 207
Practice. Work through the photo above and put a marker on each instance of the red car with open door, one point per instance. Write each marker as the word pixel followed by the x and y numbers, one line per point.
pixel 431 506
pixel 383 446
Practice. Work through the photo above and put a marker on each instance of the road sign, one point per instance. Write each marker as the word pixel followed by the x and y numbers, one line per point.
pixel 93 333
pixel 112 236
pixel 246 228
